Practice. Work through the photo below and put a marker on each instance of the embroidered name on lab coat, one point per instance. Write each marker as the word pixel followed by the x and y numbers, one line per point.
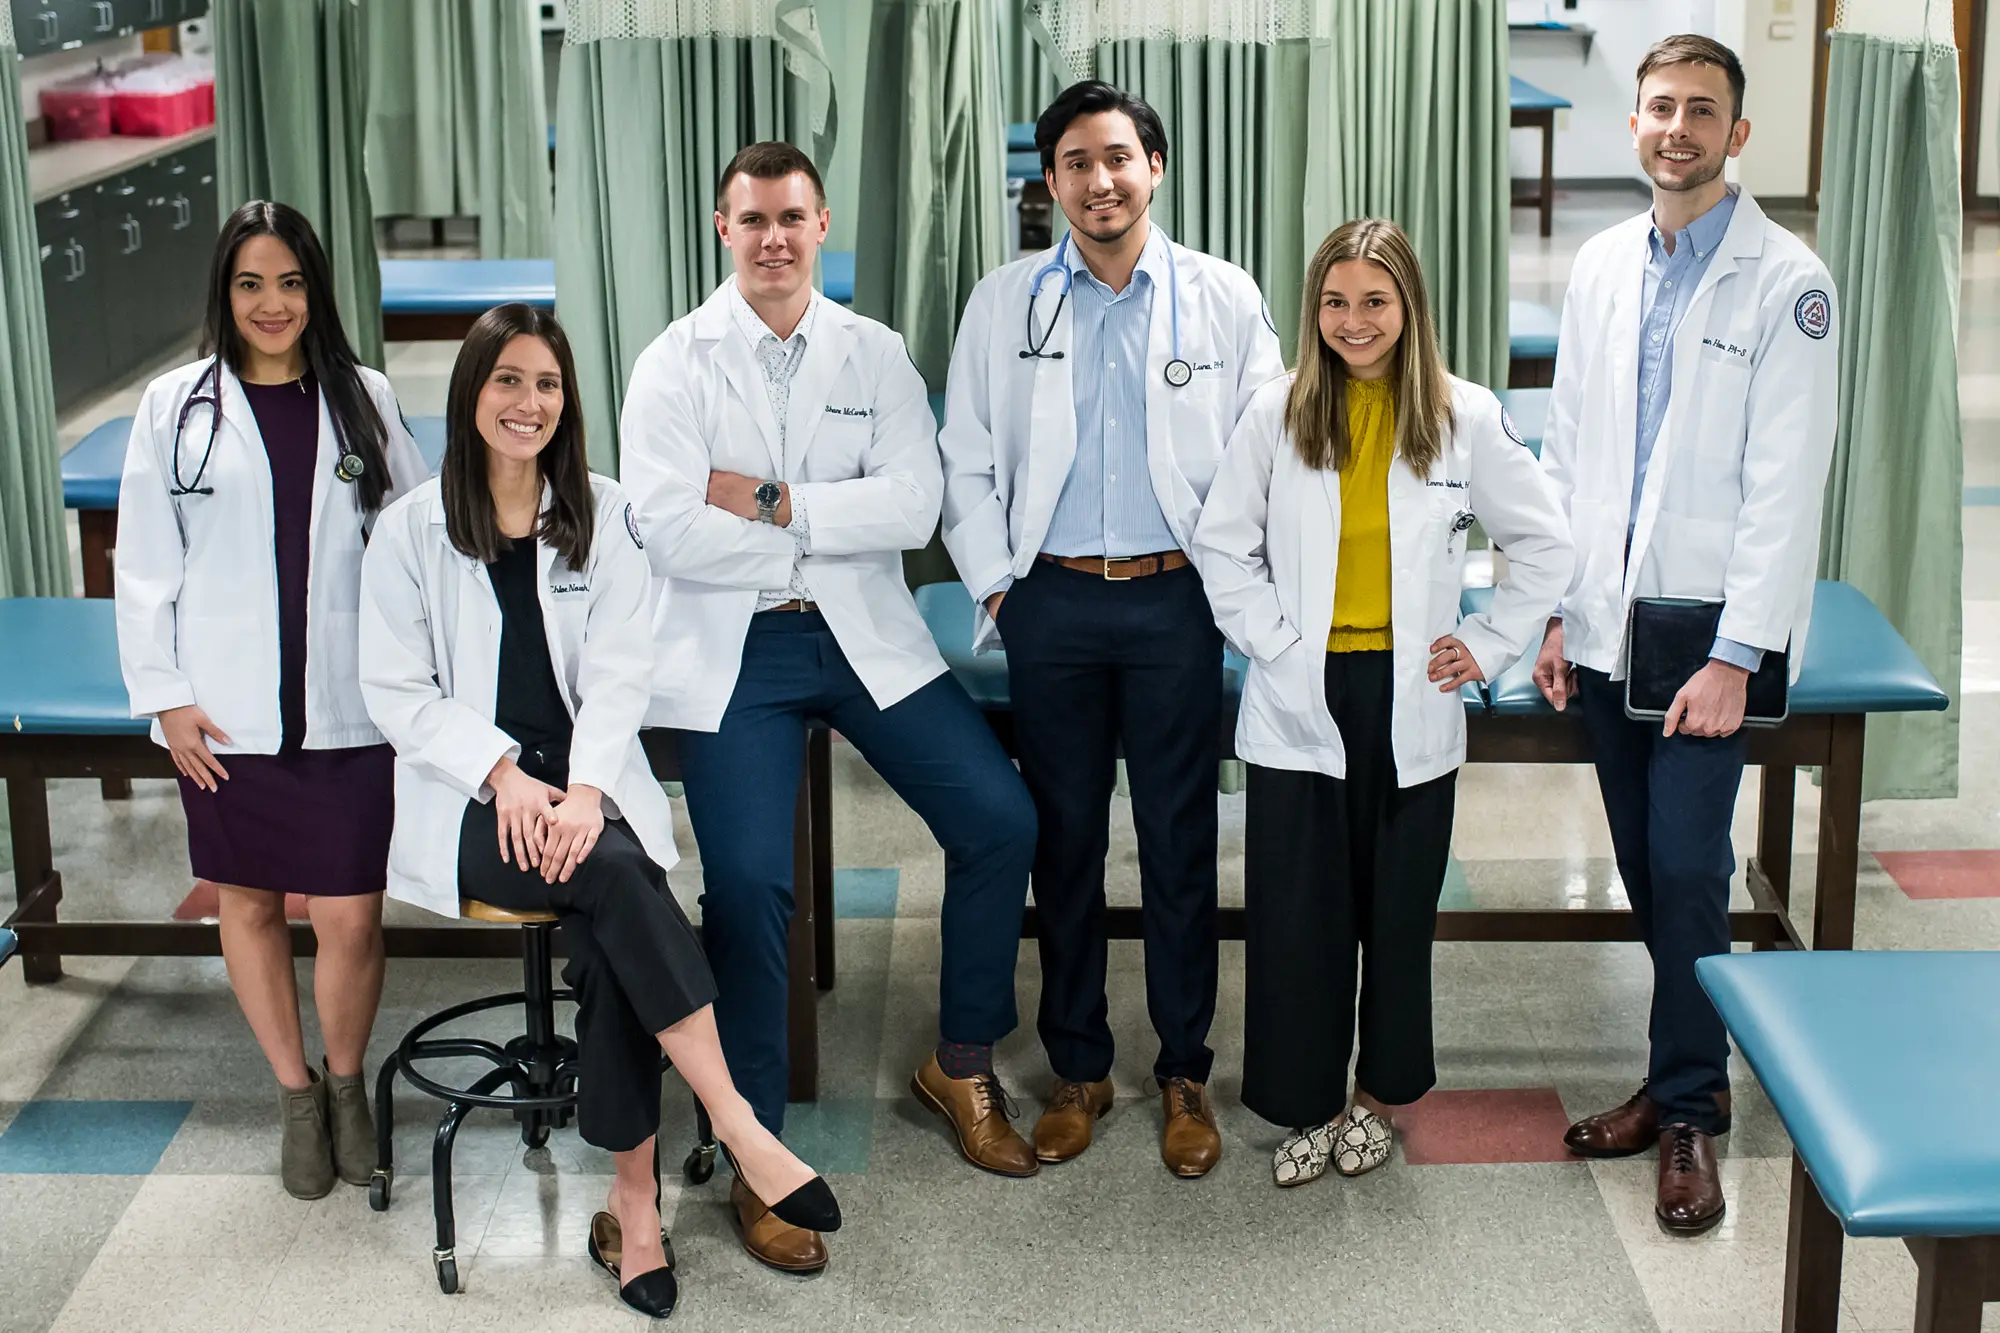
pixel 849 411
pixel 565 589
pixel 1210 367
pixel 1451 484
pixel 1726 347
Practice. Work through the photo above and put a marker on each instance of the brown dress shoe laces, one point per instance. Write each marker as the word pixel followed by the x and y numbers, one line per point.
pixel 1683 1151
pixel 1187 1098
pixel 1067 1095
pixel 990 1097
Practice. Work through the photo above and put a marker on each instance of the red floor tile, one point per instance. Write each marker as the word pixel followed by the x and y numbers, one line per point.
pixel 202 904
pixel 1475 1126
pixel 1944 874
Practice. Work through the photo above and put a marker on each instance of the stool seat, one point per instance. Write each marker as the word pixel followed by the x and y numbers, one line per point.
pixel 474 910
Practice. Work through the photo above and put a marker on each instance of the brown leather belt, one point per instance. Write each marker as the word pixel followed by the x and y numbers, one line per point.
pixel 793 605
pixel 1120 568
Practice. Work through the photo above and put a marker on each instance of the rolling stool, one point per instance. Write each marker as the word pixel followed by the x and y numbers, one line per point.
pixel 539 1066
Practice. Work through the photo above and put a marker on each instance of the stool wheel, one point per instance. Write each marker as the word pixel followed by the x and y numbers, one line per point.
pixel 535 1136
pixel 447 1273
pixel 378 1191
pixel 700 1165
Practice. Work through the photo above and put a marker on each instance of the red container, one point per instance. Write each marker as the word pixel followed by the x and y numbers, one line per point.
pixel 155 115
pixel 77 110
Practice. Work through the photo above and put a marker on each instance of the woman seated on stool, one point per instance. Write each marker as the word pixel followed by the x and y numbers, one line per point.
pixel 1331 546
pixel 506 652
pixel 250 481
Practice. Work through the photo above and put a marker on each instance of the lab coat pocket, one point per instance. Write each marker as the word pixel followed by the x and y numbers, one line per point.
pixel 1283 698
pixel 335 659
pixel 1690 554
pixel 839 446
pixel 222 657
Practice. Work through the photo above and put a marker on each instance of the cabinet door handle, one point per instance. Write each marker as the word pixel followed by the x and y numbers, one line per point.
pixel 51 26
pixel 76 260
pixel 105 15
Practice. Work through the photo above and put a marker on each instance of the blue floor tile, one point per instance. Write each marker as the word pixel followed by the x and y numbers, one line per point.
pixel 833 1134
pixel 864 893
pixel 90 1138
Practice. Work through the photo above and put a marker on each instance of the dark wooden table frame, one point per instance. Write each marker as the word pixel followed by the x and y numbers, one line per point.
pixel 1956 1275
pixel 1544 198
pixel 434 325
pixel 1831 741
pixel 29 760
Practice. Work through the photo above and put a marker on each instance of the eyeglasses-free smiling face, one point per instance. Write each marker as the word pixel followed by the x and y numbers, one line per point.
pixel 1361 317
pixel 1685 128
pixel 267 297
pixel 521 402
pixel 1103 178
pixel 774 229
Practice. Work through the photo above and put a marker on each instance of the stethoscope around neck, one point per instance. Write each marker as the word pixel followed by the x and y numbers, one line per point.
pixel 1178 371
pixel 348 467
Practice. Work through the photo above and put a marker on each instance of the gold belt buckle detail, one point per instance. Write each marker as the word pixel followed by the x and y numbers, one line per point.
pixel 1109 561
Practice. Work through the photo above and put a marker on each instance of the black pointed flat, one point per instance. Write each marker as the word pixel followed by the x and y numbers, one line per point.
pixel 810 1207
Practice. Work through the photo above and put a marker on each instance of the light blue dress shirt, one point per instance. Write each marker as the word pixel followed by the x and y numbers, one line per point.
pixel 1671 281
pixel 1107 506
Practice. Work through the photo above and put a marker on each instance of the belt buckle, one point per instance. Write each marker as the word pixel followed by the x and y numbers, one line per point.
pixel 1109 561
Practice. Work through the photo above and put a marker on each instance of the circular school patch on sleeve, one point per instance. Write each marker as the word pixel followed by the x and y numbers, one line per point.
pixel 1814 313
pixel 632 526
pixel 1513 431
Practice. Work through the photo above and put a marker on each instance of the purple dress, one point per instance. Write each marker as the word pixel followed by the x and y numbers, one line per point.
pixel 313 822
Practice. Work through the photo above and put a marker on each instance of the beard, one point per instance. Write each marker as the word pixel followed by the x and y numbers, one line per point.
pixel 1111 235
pixel 1700 173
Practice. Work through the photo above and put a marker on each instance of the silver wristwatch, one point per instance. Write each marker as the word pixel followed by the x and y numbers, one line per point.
pixel 768 495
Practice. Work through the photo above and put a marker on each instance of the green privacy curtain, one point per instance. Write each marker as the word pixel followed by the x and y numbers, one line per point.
pixel 932 215
pixel 1229 80
pixel 457 122
pixel 291 94
pixel 1027 80
pixel 1407 119
pixel 1889 229
pixel 34 543
pixel 649 110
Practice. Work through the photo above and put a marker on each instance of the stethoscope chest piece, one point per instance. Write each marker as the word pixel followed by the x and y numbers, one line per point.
pixel 1179 372
pixel 350 468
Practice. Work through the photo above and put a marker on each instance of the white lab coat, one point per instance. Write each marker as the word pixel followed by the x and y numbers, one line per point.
pixel 1009 436
pixel 1731 506
pixel 860 456
pixel 430 659
pixel 197 587
pixel 1268 548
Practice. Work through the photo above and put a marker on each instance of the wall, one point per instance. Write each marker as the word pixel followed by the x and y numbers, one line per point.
pixel 1776 44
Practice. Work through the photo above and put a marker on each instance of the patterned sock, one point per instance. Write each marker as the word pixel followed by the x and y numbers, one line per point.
pixel 964 1059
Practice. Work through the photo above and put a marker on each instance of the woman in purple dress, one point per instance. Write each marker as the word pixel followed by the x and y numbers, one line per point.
pixel 251 481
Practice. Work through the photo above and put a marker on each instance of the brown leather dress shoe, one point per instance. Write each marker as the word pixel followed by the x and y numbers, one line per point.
pixel 1625 1131
pixel 1066 1127
pixel 1690 1191
pixel 1190 1144
pixel 977 1110
pixel 772 1242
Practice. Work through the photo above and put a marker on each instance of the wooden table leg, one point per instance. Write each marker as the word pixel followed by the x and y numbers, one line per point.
pixel 1812 1259
pixel 34 870
pixel 1951 1282
pixel 1548 194
pixel 98 529
pixel 1775 813
pixel 803 1002
pixel 819 780
pixel 1839 833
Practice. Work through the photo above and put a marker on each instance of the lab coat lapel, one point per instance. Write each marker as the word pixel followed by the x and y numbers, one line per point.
pixel 239 431
pixel 1052 412
pixel 1319 535
pixel 738 360
pixel 545 562
pixel 827 349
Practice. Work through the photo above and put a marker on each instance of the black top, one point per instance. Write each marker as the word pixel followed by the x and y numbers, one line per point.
pixel 288 420
pixel 528 704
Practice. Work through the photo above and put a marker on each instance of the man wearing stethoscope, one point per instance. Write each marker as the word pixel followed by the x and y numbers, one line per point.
pixel 1092 389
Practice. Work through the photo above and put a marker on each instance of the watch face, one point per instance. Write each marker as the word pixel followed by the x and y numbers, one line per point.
pixel 767 494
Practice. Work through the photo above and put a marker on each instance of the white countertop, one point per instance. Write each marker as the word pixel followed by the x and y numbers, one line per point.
pixel 57 167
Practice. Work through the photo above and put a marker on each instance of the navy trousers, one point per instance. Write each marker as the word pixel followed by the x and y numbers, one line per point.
pixel 1095 666
pixel 1669 801
pixel 936 752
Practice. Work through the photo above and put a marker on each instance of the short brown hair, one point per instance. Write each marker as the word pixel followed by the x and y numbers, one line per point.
pixel 1689 48
pixel 771 160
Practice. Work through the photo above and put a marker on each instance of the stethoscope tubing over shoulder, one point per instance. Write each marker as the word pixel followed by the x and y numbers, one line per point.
pixel 348 467
pixel 1178 372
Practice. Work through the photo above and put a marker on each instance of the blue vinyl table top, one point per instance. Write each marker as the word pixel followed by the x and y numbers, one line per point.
pixel 1532 329
pixel 1525 96
pixel 91 471
pixel 1885 1068
pixel 465 286
pixel 59 668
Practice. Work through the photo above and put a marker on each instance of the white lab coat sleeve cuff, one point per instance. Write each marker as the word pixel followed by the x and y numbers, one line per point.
pixel 1493 653
pixel 156 696
pixel 465 750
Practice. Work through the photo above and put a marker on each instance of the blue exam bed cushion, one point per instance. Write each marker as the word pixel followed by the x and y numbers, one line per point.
pixel 836 270
pixel 91 471
pixel 1528 409
pixel 1855 662
pixel 1525 96
pixel 59 668
pixel 1531 331
pixel 1024 166
pixel 8 943
pixel 1882 1067
pixel 1021 136
pixel 465 286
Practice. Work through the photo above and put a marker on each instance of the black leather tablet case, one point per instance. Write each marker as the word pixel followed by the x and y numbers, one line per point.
pixel 1667 640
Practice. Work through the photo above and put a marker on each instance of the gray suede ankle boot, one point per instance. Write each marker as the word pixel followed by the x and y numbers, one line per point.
pixel 306 1159
pixel 352 1125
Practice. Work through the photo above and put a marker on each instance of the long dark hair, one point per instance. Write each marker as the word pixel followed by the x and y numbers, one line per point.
pixel 469 517
pixel 356 422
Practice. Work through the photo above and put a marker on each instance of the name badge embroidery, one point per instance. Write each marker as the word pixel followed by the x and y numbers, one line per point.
pixel 1729 348
pixel 1452 483
pixel 1814 314
pixel 567 589
pixel 849 411
pixel 1210 367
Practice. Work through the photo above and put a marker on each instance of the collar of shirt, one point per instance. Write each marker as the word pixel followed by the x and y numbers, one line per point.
pixel 752 326
pixel 1699 238
pixel 1152 264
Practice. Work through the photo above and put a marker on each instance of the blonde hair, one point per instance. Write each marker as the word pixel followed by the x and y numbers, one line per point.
pixel 1316 407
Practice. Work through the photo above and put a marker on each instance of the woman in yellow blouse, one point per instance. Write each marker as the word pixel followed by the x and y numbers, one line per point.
pixel 1330 547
